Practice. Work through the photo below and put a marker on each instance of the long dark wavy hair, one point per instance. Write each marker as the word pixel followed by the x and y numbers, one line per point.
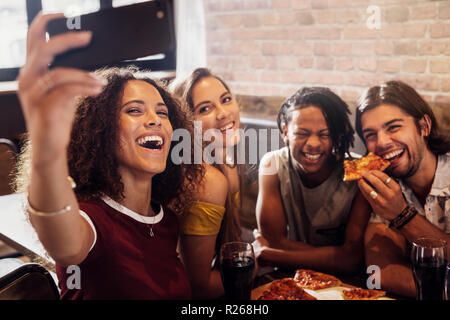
pixel 91 152
pixel 400 94
pixel 335 111
pixel 182 88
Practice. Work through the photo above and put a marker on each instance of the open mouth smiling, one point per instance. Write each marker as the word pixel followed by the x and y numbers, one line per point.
pixel 152 142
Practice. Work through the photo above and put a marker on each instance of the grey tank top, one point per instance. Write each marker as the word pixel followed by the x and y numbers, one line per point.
pixel 317 216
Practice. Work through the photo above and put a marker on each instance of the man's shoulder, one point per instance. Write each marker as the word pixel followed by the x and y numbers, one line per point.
pixel 441 184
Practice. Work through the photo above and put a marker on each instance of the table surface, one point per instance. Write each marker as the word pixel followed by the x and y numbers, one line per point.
pixel 17 232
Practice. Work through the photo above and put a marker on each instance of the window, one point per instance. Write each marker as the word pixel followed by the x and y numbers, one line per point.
pixel 16 15
pixel 13 33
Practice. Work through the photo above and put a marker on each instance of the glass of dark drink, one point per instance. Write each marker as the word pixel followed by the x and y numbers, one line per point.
pixel 429 260
pixel 237 267
pixel 447 283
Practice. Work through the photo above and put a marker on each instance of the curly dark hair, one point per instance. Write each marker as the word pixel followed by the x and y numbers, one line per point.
pixel 402 95
pixel 334 109
pixel 91 152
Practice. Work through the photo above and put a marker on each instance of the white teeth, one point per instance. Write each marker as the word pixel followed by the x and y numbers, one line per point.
pixel 143 140
pixel 312 156
pixel 228 126
pixel 392 154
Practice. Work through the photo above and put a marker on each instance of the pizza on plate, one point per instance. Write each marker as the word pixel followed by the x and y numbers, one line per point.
pixel 362 294
pixel 285 289
pixel 355 168
pixel 314 280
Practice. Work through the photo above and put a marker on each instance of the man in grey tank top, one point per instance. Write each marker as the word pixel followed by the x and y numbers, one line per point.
pixel 308 217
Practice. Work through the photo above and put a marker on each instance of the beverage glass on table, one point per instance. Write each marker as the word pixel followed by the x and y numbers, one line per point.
pixel 447 284
pixel 429 261
pixel 237 267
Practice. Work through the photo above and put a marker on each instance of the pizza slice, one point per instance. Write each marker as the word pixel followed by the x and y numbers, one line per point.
pixel 314 280
pixel 355 168
pixel 285 289
pixel 362 294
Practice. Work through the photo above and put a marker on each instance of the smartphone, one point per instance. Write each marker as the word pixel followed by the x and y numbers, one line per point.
pixel 123 33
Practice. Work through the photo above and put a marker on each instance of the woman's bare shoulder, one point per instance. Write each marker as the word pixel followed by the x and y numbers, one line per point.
pixel 214 187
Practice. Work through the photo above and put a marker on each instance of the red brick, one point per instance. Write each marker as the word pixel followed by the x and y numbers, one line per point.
pixel 238 63
pixel 350 95
pixel 348 16
pixel 440 66
pixel 427 11
pixel 293 77
pixel 325 17
pixel 447 50
pixel 319 4
pixel 324 63
pixel 442 101
pixel 367 64
pixel 344 64
pixel 364 79
pixel 301 4
pixel 444 10
pixel 321 33
pixel 323 78
pixel 405 48
pixel 270 48
pixel 281 4
pixel 416 30
pixel 263 63
pixel 251 48
pixel 287 18
pixel 389 65
pixel 419 82
pixel 363 49
pixel 303 49
pixel 270 19
pixel 246 76
pixel 383 48
pixel 440 30
pixel 359 33
pixel 251 20
pixel 396 14
pixel 287 63
pixel 430 48
pixel 322 49
pixel 304 18
pixel 306 63
pixel 342 49
pixel 270 76
pixel 414 65
pixel 446 84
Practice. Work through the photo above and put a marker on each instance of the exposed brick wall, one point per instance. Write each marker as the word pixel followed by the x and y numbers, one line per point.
pixel 273 47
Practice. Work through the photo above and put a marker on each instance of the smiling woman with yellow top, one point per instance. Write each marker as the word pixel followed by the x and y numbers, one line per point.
pixel 214 218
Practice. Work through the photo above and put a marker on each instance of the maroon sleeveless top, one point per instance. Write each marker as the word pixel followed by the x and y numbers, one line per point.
pixel 125 261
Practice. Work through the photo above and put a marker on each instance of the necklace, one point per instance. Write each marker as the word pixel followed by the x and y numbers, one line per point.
pixel 149 221
pixel 150 225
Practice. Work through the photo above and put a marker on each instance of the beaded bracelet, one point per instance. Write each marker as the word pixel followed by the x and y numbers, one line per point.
pixel 403 218
pixel 31 210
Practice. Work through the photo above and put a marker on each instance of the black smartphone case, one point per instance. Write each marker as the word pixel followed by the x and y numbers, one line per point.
pixel 123 33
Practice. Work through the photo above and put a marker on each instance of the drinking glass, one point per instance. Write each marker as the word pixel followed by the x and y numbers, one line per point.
pixel 237 267
pixel 429 260
pixel 447 283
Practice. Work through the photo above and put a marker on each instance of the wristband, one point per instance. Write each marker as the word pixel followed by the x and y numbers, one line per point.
pixel 403 218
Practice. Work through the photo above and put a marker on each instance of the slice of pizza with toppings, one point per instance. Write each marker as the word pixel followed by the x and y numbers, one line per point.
pixel 362 294
pixel 355 168
pixel 285 289
pixel 314 280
